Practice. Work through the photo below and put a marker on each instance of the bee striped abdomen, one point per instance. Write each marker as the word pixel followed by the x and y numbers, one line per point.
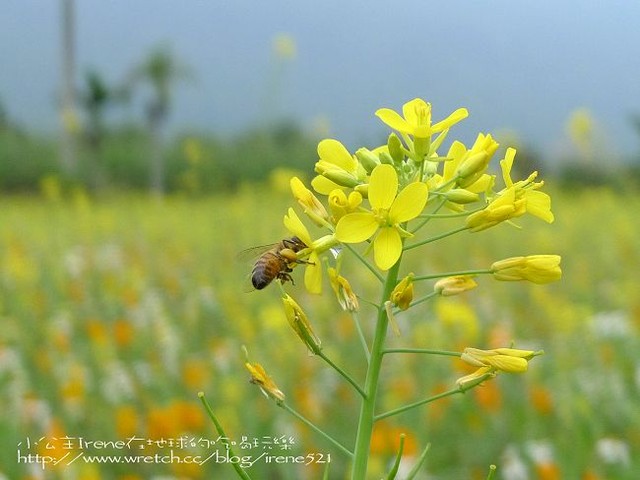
pixel 266 269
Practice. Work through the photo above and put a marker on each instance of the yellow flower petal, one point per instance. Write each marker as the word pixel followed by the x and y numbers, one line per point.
pixel 383 186
pixel 323 185
pixel 394 120
pixel 506 164
pixel 293 223
pixel 455 117
pixel 356 227
pixel 539 204
pixel 313 274
pixel 387 248
pixel 409 203
pixel 334 152
pixel 412 107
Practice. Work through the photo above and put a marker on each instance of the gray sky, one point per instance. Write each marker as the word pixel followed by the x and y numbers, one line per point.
pixel 518 65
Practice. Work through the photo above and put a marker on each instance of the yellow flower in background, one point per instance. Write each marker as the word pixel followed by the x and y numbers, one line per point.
pixel 267 385
pixel 534 268
pixel 284 46
pixel 389 210
pixel 416 119
pixel 337 167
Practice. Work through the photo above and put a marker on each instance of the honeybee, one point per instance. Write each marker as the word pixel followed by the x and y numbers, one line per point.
pixel 276 262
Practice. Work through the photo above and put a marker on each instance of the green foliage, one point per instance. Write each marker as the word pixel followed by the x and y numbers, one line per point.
pixel 123 155
pixel 100 296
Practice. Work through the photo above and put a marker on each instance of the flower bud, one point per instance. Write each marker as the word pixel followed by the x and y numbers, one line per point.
pixel 402 295
pixel 300 324
pixel 454 285
pixel 534 268
pixel 508 360
pixel 395 148
pixel 460 195
pixel 367 159
pixel 312 206
pixel 340 177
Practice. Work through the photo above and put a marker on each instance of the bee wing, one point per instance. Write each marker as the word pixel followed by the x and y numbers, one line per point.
pixel 251 254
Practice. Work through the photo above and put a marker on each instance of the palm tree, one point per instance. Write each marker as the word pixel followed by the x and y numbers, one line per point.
pixel 160 71
pixel 95 98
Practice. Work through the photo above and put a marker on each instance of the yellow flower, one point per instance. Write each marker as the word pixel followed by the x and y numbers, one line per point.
pixel 402 294
pixel 416 119
pixel 307 200
pixel 337 167
pixel 267 385
pixel 477 377
pixel 340 204
pixel 515 200
pixel 536 203
pixel 284 46
pixel 388 212
pixel 534 268
pixel 503 207
pixel 344 293
pixel 313 270
pixel 509 360
pixel 454 285
pixel 470 167
pixel 300 324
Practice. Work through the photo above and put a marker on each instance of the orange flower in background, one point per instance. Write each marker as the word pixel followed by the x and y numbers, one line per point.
pixel 488 396
pixel 123 332
pixel 195 373
pixel 127 421
pixel 548 471
pixel 189 415
pixel 541 399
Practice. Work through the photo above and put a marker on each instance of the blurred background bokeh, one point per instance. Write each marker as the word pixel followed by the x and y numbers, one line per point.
pixel 144 144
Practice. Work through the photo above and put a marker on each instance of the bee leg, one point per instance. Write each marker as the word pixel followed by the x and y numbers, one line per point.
pixel 285 277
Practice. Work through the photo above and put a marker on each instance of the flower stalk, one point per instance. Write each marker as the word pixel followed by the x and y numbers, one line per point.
pixel 378 204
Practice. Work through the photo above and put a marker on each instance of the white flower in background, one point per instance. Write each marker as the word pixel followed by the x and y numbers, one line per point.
pixel 613 451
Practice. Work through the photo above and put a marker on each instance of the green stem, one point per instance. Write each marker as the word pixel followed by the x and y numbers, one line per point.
pixel 313 427
pixel 363 340
pixel 479 271
pixel 396 464
pixel 421 350
pixel 426 220
pixel 223 437
pixel 418 301
pixel 342 373
pixel 364 262
pixel 367 409
pixel 437 237
pixel 404 408
pixel 448 393
pixel 418 465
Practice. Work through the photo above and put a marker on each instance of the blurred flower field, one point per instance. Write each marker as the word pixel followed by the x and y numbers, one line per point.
pixel 116 312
